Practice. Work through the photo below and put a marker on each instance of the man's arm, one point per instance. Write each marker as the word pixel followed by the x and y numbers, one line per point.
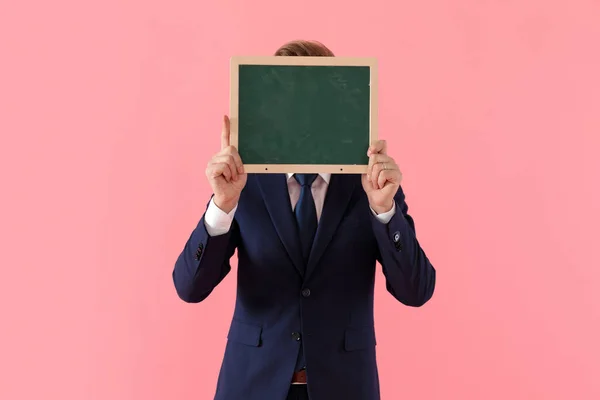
pixel 410 277
pixel 204 261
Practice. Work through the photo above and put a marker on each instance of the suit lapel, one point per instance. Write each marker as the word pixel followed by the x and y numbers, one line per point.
pixel 277 200
pixel 339 193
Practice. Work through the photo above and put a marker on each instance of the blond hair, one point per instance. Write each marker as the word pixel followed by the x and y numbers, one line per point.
pixel 304 48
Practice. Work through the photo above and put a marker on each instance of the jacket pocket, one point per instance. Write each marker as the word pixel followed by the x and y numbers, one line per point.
pixel 359 338
pixel 247 334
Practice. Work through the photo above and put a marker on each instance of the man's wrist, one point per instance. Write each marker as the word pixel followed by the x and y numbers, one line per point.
pixel 225 205
pixel 383 209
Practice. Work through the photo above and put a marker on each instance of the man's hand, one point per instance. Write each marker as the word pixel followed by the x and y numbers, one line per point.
pixel 382 180
pixel 225 173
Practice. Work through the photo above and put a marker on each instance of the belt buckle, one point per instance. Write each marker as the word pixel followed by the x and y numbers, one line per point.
pixel 299 377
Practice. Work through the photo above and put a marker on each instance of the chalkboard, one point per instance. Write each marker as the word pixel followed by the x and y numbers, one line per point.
pixel 303 114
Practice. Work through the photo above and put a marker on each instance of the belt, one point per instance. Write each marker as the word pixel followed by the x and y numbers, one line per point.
pixel 299 377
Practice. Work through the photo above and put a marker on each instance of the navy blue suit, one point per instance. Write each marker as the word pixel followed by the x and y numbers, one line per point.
pixel 325 304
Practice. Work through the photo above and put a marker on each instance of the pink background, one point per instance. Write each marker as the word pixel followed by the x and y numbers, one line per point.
pixel 109 111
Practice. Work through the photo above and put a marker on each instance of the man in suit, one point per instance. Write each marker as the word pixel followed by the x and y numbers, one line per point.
pixel 307 248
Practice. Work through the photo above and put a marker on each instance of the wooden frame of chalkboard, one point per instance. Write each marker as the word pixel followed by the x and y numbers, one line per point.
pixel 358 164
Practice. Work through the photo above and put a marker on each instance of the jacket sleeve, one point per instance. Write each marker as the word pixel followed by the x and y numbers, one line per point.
pixel 204 262
pixel 410 277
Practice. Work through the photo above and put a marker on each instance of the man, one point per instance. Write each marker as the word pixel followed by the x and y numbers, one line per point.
pixel 307 249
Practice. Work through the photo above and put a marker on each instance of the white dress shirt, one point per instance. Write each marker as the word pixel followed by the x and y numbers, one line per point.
pixel 218 222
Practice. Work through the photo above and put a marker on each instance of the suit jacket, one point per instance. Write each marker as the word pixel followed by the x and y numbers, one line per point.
pixel 327 304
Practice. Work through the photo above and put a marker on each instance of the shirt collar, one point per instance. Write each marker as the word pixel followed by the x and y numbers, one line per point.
pixel 326 177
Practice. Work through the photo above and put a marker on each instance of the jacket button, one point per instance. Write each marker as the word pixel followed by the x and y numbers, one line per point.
pixel 306 292
pixel 296 336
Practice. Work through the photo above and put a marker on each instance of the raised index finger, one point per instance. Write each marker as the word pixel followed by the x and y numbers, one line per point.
pixel 378 147
pixel 225 133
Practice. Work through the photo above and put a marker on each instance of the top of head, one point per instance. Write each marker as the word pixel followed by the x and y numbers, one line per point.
pixel 304 48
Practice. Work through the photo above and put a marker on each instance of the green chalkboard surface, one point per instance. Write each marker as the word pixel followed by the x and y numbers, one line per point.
pixel 303 114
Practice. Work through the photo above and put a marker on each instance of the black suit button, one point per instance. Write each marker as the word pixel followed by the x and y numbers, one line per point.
pixel 296 336
pixel 306 292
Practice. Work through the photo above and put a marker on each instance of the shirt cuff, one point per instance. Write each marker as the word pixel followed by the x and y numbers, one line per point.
pixel 385 217
pixel 217 221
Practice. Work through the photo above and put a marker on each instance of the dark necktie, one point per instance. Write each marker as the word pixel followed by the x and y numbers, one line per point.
pixel 306 213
